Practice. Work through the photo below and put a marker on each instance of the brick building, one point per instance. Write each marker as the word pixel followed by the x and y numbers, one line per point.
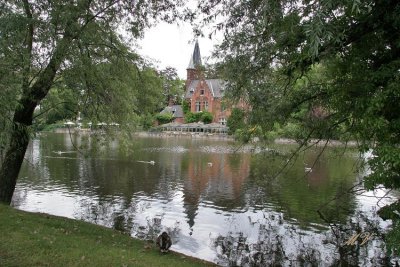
pixel 204 94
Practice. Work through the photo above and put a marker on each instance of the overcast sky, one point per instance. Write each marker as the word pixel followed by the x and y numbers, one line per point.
pixel 172 45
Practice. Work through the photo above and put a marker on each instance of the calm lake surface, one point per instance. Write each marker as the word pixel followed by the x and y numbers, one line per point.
pixel 220 201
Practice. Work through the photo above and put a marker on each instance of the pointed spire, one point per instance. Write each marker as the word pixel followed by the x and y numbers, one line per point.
pixel 195 59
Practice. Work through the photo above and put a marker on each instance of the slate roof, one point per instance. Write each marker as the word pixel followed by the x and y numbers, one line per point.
pixel 216 86
pixel 175 109
pixel 195 59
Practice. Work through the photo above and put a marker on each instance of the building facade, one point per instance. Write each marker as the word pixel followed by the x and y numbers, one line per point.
pixel 205 94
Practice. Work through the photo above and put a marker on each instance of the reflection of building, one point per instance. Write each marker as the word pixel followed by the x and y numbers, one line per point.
pixel 205 94
pixel 214 177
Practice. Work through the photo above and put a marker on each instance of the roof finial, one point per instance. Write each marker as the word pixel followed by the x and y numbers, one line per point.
pixel 195 59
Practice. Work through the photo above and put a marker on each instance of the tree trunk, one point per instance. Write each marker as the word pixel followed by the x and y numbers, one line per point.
pixel 19 138
pixel 23 116
pixel 12 162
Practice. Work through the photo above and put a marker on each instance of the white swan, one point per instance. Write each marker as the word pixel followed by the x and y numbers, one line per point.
pixel 63 152
pixel 152 162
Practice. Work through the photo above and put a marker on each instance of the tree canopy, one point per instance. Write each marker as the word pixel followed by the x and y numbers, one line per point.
pixel 83 46
pixel 332 66
pixel 172 85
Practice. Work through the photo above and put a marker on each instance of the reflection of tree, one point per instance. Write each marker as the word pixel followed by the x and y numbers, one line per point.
pixel 153 229
pixel 357 253
pixel 270 249
pixel 281 244
pixel 112 187
pixel 299 194
pixel 19 196
pixel 238 251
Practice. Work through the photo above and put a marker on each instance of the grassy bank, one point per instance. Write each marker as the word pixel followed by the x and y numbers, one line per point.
pixel 32 239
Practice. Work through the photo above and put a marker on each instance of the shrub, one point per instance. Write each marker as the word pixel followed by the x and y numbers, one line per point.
pixel 163 118
pixel 206 117
pixel 185 106
pixel 192 117
pixel 236 121
pixel 203 116
pixel 146 121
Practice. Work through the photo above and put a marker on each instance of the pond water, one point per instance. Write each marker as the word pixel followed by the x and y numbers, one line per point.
pixel 220 201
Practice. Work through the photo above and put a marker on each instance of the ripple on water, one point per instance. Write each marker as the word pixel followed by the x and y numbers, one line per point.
pixel 196 215
pixel 174 149
pixel 217 149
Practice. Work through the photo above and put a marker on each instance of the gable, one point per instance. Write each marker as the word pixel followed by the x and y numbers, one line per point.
pixel 216 86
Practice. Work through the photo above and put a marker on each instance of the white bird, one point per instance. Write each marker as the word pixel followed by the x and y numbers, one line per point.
pixel 307 169
pixel 63 152
pixel 152 162
pixel 209 164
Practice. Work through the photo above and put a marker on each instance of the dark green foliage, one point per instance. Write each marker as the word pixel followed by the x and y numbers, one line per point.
pixel 236 120
pixel 77 46
pixel 185 106
pixel 389 212
pixel 330 68
pixel 163 118
pixel 146 121
pixel 173 87
pixel 191 117
pixel 206 117
pixel 202 116
pixel 148 92
pixel 392 212
pixel 60 104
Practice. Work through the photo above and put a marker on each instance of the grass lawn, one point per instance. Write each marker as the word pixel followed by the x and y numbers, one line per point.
pixel 35 239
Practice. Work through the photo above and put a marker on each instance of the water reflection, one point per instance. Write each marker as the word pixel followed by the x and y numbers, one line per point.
pixel 217 202
pixel 280 244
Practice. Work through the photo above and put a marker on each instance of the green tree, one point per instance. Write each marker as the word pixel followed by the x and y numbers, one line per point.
pixel 79 41
pixel 60 104
pixel 173 86
pixel 236 120
pixel 331 65
pixel 185 106
pixel 163 118
pixel 149 92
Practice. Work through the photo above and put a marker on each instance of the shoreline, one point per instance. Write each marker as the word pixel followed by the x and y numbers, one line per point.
pixel 220 137
pixel 60 241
